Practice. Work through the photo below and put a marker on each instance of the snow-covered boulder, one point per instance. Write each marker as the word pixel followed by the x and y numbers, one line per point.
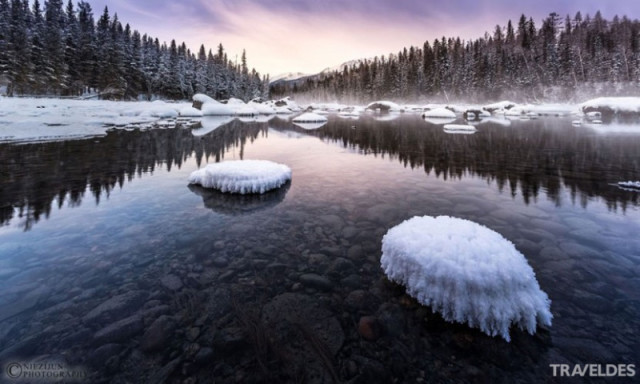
pixel 310 117
pixel 609 106
pixel 475 114
pixel 351 111
pixel 595 115
pixel 466 272
pixel 210 107
pixel 459 128
pixel 634 185
pixel 199 99
pixel 290 104
pixel 517 111
pixel 439 120
pixel 283 110
pixel 504 105
pixel 440 113
pixel 242 176
pixel 384 106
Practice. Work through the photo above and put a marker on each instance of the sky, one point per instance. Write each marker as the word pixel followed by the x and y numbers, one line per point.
pixel 308 36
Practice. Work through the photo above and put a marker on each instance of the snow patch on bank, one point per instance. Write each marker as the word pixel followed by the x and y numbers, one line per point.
pixel 615 104
pixel 39 119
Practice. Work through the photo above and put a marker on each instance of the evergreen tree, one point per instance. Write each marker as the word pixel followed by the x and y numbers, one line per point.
pixel 54 46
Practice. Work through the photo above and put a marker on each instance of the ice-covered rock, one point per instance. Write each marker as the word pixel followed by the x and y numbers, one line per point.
pixel 199 99
pixel 504 105
pixel 466 272
pixel 439 120
pixel 242 176
pixel 210 107
pixel 595 115
pixel 351 111
pixel 630 184
pixel 459 128
pixel 282 110
pixel 475 114
pixel 440 113
pixel 203 99
pixel 310 117
pixel 384 106
pixel 290 104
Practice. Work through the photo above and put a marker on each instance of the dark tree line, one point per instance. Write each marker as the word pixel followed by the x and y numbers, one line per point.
pixel 560 60
pixel 64 51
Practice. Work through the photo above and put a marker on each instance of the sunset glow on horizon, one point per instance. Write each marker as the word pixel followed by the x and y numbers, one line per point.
pixel 308 36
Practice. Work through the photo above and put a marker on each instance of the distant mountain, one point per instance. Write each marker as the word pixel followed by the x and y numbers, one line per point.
pixel 299 77
pixel 289 76
pixel 346 64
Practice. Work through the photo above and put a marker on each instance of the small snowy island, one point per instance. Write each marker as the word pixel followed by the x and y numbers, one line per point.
pixel 466 272
pixel 242 176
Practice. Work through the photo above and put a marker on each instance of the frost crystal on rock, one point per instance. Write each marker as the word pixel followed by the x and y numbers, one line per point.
pixel 466 272
pixel 242 176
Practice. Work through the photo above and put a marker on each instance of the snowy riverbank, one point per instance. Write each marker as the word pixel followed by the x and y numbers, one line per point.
pixel 37 119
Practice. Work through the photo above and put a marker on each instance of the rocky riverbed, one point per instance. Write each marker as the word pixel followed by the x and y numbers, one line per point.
pixel 188 286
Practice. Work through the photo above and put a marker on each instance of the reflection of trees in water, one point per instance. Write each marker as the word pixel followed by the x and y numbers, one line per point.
pixel 533 156
pixel 235 204
pixel 33 176
pixel 542 155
